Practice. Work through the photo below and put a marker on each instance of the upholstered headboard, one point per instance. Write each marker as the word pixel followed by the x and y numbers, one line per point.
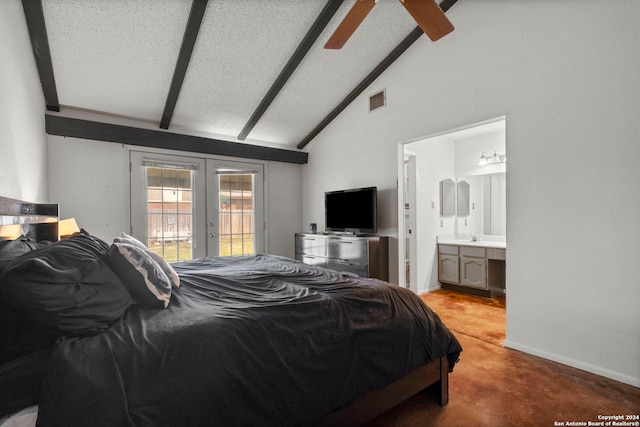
pixel 38 221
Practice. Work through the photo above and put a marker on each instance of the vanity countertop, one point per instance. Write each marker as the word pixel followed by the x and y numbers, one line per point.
pixel 484 241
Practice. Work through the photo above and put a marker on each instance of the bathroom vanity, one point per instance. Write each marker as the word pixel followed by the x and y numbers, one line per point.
pixel 472 264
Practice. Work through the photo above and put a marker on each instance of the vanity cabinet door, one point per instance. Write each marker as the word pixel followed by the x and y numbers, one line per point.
pixel 473 272
pixel 448 269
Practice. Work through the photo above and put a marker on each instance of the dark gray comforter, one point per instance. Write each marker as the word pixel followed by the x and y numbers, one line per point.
pixel 251 340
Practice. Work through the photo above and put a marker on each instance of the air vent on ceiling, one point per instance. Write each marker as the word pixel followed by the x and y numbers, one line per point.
pixel 377 100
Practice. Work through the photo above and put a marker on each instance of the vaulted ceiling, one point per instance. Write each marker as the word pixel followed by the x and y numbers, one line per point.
pixel 251 71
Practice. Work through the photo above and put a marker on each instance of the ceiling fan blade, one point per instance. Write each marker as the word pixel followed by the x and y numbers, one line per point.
pixel 351 21
pixel 429 17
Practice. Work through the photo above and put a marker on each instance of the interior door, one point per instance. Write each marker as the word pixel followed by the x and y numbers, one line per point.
pixel 411 271
pixel 235 208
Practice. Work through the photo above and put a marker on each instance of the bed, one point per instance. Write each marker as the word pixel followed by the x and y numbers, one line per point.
pixel 100 333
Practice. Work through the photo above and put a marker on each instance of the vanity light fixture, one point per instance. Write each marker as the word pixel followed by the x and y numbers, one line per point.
pixel 484 160
pixel 492 160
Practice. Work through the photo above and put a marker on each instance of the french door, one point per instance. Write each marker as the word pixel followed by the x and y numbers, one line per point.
pixel 188 207
pixel 235 206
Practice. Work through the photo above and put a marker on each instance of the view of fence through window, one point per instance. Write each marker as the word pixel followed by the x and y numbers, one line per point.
pixel 169 213
pixel 236 202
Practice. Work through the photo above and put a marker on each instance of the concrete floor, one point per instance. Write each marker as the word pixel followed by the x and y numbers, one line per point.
pixel 496 386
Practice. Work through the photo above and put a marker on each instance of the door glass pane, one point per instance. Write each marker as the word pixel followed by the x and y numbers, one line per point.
pixel 169 212
pixel 236 210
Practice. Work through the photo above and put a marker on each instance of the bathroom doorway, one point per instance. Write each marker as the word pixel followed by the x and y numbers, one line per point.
pixel 475 154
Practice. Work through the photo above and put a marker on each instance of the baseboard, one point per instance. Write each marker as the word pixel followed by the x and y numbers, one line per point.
pixel 617 376
pixel 427 290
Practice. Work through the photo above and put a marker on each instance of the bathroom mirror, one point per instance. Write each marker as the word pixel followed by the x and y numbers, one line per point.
pixel 487 203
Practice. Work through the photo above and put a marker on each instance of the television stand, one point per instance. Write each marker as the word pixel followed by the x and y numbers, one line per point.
pixel 366 256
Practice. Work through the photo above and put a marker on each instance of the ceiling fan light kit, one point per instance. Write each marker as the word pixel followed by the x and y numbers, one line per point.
pixel 429 16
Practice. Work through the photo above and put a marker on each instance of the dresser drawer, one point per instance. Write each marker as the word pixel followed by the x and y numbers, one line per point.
pixel 360 269
pixel 317 261
pixel 472 251
pixel 311 245
pixel 344 249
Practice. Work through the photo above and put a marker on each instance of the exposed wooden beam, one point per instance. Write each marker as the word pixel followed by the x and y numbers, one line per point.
pixel 40 44
pixel 77 128
pixel 198 7
pixel 374 74
pixel 446 4
pixel 309 39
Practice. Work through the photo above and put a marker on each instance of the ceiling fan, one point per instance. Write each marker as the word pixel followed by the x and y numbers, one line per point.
pixel 427 14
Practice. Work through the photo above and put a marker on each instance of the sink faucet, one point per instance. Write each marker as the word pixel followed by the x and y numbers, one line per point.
pixel 474 238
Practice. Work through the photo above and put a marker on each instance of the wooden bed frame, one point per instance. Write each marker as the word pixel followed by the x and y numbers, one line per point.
pixel 367 407
pixel 40 222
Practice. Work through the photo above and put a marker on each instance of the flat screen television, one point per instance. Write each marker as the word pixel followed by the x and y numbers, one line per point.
pixel 351 211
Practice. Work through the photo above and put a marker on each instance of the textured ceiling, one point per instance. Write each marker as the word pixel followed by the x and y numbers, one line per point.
pixel 241 49
pixel 117 58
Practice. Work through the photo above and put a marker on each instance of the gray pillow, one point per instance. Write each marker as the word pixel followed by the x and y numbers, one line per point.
pixel 166 267
pixel 141 275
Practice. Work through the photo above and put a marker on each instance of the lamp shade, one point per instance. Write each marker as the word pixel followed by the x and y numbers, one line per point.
pixel 66 227
pixel 10 231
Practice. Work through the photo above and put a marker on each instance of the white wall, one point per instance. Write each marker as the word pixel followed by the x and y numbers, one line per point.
pixel 566 78
pixel 284 204
pixel 23 148
pixel 435 161
pixel 90 181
